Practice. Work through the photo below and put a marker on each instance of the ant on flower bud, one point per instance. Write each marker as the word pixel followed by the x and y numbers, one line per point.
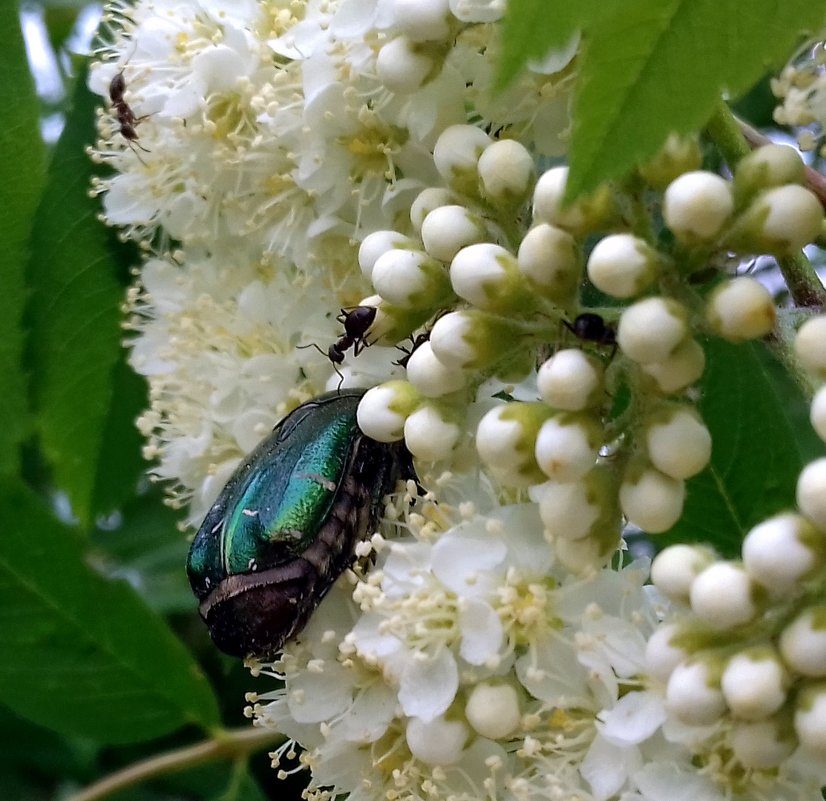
pixel 590 327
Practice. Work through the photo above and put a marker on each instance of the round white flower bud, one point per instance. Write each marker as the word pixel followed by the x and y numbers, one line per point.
pixel 447 229
pixel 622 265
pixel 754 683
pixel 697 205
pixel 809 345
pixel 422 20
pixel 780 220
pixel 723 595
pixel 567 445
pixel 761 744
pixel 767 166
pixel 741 309
pixel 571 380
pixel 549 258
pixel 506 172
pixel 493 710
pixel 487 276
pixel 428 199
pixel 429 376
pixel 678 443
pixel 661 654
pixel 650 330
pixel 693 694
pixel 803 642
pixel 436 742
pixel 377 244
pixel 579 217
pixel 810 718
pixel 472 339
pixel 652 500
pixel 383 410
pixel 456 154
pixel 429 436
pixel 817 413
pixel 782 551
pixel 674 569
pixel 568 510
pixel 681 369
pixel 410 279
pixel 505 439
pixel 811 492
pixel 401 67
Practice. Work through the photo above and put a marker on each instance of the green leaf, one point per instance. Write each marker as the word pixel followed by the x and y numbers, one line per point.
pixel 22 169
pixel 85 401
pixel 147 549
pixel 761 437
pixel 79 653
pixel 651 67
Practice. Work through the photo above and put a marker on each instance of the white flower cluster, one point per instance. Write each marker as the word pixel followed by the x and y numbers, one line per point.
pixel 801 88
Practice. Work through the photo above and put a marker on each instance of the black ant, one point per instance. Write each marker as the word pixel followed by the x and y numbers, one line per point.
pixel 127 120
pixel 416 343
pixel 591 327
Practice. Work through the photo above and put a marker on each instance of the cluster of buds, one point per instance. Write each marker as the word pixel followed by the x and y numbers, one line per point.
pixel 500 298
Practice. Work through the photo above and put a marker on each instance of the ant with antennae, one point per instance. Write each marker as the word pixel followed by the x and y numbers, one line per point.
pixel 416 343
pixel 591 327
pixel 127 120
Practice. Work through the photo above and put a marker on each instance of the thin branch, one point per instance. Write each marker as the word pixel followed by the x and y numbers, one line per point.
pixel 226 745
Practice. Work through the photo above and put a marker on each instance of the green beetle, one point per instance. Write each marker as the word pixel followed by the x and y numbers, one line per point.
pixel 286 524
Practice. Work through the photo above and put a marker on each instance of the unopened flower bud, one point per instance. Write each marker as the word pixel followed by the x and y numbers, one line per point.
pixel 411 279
pixel 436 742
pixel 622 265
pixel 383 410
pixel 778 221
pixel 803 642
pixel 422 20
pixel 811 492
pixel 765 167
pixel 549 258
pixel 472 339
pixel 506 438
pixel 662 654
pixel 724 596
pixel 506 171
pixel 697 205
pixel 401 66
pixel 571 380
pixel 567 445
pixel 817 413
pixel 456 155
pixel 447 229
pixel 678 155
pixel 487 276
pixel 810 718
pixel 762 744
pixel 650 330
pixel 678 442
pixel 651 500
pixel 429 376
pixel 429 436
pixel 809 345
pixel 674 569
pixel 493 710
pixel 583 215
pixel 741 309
pixel 754 683
pixel 782 551
pixel 693 693
pixel 377 244
pixel 428 199
pixel 681 369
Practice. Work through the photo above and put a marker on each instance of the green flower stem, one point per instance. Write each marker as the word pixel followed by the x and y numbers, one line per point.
pixel 727 133
pixel 234 744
